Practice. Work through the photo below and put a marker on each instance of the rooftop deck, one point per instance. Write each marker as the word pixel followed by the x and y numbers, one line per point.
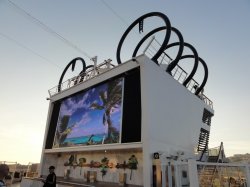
pixel 178 74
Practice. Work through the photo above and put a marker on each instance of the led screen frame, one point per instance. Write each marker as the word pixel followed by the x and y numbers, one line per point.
pixel 91 117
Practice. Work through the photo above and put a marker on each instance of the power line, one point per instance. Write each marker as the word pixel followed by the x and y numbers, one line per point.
pixel 114 12
pixel 23 46
pixel 47 28
pixel 120 17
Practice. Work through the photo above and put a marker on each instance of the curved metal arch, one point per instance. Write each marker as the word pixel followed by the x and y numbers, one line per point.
pixel 196 60
pixel 166 39
pixel 73 63
pixel 177 32
pixel 205 73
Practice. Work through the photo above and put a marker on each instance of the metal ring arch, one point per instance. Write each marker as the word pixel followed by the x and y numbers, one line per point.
pixel 178 33
pixel 166 39
pixel 204 81
pixel 73 63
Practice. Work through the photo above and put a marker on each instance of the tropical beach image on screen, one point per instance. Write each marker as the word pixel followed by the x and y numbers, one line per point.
pixel 91 117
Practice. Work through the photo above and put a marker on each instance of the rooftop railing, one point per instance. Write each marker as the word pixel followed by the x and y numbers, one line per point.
pixel 103 67
pixel 178 73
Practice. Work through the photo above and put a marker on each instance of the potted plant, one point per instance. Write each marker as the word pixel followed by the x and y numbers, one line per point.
pixel 104 166
pixel 123 175
pixel 66 170
pixel 81 163
pixel 132 164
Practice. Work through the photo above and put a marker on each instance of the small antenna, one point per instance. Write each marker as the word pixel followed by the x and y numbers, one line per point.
pixel 94 59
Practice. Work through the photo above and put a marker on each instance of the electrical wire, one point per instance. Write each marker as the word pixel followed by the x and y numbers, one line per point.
pixel 30 50
pixel 114 12
pixel 47 28
pixel 120 17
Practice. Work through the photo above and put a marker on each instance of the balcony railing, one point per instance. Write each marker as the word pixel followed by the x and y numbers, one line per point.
pixel 103 67
pixel 178 72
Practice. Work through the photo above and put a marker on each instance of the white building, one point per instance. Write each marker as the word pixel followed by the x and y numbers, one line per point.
pixel 158 115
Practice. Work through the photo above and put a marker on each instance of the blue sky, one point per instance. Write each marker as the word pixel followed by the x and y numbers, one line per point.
pixel 33 58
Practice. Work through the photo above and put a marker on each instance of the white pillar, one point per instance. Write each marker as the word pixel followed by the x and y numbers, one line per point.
pixel 163 175
pixel 247 175
pixel 192 173
pixel 169 174
pixel 177 175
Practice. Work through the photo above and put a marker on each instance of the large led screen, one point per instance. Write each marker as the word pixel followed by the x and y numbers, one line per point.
pixel 92 117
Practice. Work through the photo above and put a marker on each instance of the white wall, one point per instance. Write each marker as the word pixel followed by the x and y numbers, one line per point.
pixel 26 182
pixel 112 174
pixel 171 115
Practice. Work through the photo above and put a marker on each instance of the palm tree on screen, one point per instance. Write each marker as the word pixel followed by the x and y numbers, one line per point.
pixel 63 130
pixel 111 99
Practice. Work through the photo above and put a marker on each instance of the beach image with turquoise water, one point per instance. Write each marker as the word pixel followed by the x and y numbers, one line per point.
pixel 87 140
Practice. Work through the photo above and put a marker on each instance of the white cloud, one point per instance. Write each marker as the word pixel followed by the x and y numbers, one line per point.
pixel 85 119
pixel 69 106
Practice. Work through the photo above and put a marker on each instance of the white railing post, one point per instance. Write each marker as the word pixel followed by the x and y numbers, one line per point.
pixel 49 93
pixel 163 175
pixel 94 72
pixel 193 173
pixel 247 175
pixel 169 174
pixel 177 175
pixel 149 43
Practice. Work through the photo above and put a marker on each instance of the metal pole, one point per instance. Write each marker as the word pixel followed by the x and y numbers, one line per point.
pixel 177 175
pixel 149 43
pixel 163 175
pixel 247 175
pixel 193 173
pixel 169 175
